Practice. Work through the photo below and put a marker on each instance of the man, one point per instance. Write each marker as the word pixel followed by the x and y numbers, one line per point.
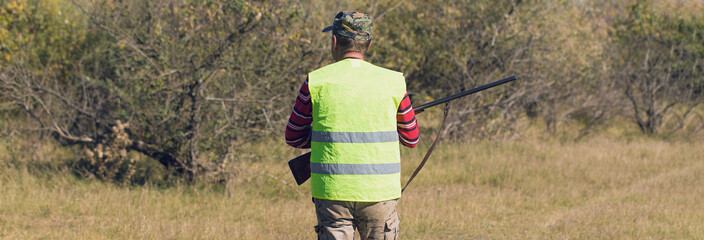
pixel 352 115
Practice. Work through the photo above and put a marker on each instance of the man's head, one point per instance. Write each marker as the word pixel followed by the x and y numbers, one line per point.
pixel 352 33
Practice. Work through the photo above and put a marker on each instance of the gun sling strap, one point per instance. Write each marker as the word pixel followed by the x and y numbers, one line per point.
pixel 432 147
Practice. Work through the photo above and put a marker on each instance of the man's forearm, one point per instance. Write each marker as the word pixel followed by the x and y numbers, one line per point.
pixel 299 123
pixel 406 123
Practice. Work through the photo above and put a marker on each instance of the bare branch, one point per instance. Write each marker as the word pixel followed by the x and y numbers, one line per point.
pixel 64 99
pixel 236 100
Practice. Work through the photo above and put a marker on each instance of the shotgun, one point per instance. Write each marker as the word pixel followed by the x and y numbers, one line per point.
pixel 300 166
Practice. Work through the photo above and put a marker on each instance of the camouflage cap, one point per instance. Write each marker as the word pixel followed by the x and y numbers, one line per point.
pixel 354 25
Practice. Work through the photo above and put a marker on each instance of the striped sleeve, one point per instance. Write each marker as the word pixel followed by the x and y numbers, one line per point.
pixel 406 124
pixel 299 123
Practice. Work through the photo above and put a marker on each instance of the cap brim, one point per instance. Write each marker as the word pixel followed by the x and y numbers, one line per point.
pixel 328 28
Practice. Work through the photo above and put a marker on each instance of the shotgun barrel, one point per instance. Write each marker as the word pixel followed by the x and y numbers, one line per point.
pixel 300 166
pixel 422 107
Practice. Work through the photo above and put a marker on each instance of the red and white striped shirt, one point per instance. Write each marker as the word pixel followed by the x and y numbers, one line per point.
pixel 299 123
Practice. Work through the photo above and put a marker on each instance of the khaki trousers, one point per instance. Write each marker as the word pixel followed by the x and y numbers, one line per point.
pixel 339 219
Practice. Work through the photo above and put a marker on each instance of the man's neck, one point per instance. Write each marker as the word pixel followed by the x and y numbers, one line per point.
pixel 356 55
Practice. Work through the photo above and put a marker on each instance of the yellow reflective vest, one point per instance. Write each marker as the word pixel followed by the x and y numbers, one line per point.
pixel 354 142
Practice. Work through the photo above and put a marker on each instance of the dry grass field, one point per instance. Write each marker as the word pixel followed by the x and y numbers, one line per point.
pixel 601 187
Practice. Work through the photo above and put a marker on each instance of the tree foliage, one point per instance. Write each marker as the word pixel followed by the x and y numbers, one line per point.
pixel 658 60
pixel 187 82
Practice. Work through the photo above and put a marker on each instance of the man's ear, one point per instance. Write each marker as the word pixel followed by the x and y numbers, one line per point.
pixel 334 41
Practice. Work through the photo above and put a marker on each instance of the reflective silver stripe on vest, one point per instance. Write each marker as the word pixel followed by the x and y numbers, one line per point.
pixel 355 169
pixel 354 137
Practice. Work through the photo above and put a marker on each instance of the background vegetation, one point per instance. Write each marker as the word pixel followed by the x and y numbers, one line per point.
pixel 188 82
pixel 598 138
